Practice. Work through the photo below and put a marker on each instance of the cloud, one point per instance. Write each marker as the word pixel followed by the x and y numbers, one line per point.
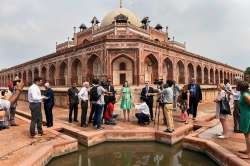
pixel 219 30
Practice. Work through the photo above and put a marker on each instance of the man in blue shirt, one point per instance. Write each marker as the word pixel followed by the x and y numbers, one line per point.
pixel 195 97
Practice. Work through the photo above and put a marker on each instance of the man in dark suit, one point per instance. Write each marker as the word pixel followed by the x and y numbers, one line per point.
pixel 48 105
pixel 147 95
pixel 73 102
pixel 195 97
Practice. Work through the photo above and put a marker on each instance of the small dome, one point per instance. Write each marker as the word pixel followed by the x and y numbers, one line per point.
pixel 110 17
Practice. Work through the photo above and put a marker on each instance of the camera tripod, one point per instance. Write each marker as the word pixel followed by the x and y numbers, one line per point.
pixel 157 114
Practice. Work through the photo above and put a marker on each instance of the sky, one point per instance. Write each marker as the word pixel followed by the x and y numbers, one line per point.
pixel 216 29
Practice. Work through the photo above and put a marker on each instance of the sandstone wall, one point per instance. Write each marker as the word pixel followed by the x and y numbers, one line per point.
pixel 61 98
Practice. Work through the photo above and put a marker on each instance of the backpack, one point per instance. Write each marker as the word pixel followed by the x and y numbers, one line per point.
pixel 94 96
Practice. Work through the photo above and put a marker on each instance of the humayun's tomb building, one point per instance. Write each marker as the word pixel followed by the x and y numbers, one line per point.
pixel 121 47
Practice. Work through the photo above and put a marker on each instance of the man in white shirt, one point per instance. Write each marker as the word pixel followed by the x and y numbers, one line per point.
pixel 35 98
pixel 144 113
pixel 84 98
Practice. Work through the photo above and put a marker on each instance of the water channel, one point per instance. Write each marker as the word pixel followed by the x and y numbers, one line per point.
pixel 133 154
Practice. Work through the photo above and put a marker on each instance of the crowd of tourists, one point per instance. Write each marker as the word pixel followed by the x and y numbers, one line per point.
pixel 100 99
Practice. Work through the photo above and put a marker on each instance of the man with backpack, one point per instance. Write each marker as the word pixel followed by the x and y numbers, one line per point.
pixel 97 98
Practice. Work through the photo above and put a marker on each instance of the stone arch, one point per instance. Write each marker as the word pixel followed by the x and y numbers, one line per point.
pixel 123 70
pixel 63 74
pixel 168 70
pixel 190 72
pixel 36 73
pixel 94 69
pixel 150 68
pixel 225 76
pixel 181 72
pixel 212 76
pixel 205 73
pixel 76 71
pixel 221 77
pixel 52 75
pixel 20 75
pixel 24 78
pixel 44 74
pixel 199 74
pixel 30 77
pixel 231 78
pixel 217 77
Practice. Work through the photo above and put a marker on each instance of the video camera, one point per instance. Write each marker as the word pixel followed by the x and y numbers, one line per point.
pixel 15 82
pixel 158 82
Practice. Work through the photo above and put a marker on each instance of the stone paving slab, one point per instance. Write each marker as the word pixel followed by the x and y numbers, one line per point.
pixel 124 131
pixel 17 148
pixel 224 151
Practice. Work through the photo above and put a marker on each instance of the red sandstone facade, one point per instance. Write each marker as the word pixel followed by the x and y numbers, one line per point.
pixel 121 48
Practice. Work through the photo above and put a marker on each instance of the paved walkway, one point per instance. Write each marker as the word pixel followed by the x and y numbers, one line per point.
pixel 17 148
pixel 234 143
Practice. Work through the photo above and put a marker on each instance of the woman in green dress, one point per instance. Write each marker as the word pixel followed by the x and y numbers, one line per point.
pixel 126 101
pixel 245 117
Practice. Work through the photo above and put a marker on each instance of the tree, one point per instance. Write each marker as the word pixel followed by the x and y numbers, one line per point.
pixel 247 74
pixel 247 71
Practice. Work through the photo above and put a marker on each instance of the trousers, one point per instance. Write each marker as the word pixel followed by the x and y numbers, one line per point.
pixel 36 118
pixel 168 111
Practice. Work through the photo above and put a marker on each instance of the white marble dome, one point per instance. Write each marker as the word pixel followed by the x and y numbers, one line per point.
pixel 110 17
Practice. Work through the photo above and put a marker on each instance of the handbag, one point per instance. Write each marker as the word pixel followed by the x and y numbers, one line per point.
pixel 224 106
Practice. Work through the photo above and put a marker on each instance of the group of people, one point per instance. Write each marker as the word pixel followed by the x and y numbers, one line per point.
pixel 234 102
pixel 101 98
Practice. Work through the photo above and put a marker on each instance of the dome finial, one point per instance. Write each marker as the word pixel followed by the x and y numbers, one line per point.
pixel 120 3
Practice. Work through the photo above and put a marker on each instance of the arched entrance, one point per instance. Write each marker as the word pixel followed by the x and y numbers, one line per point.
pixel 20 75
pixel 123 70
pixel 24 78
pixel 76 72
pixel 167 69
pixel 206 80
pixel 52 75
pixel 44 74
pixel 199 75
pixel 181 72
pixel 63 74
pixel 190 72
pixel 29 77
pixel 94 69
pixel 221 77
pixel 212 76
pixel 36 73
pixel 150 68
pixel 217 77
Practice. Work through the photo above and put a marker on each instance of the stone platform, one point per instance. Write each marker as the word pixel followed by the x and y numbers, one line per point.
pixel 198 135
pixel 223 151
pixel 124 131
pixel 18 149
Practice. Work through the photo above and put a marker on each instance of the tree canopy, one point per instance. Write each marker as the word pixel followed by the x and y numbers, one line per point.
pixel 247 71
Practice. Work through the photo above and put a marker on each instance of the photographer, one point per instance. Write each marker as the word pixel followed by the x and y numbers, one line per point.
pixel 12 89
pixel 6 103
pixel 167 100
pixel 160 104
